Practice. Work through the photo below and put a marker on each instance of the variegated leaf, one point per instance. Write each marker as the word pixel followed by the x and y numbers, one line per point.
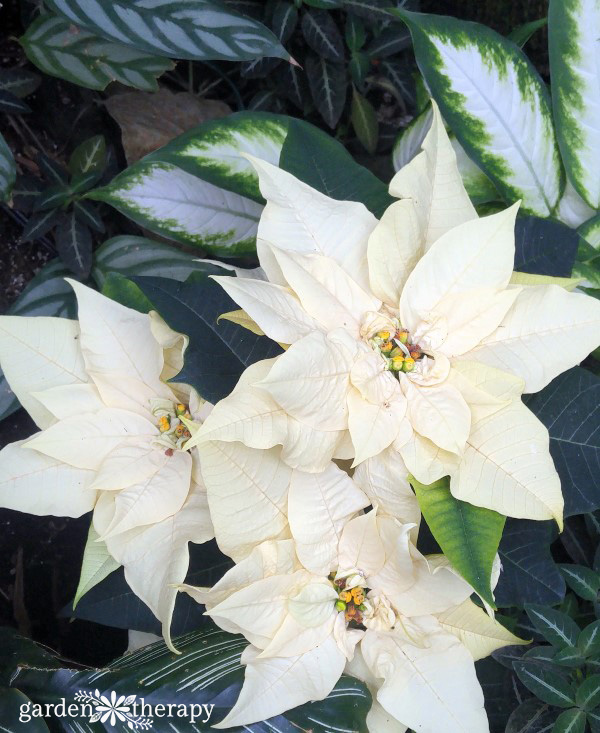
pixel 573 38
pixel 496 104
pixel 409 142
pixel 190 29
pixel 213 150
pixel 590 231
pixel 169 201
pixel 8 170
pixel 60 49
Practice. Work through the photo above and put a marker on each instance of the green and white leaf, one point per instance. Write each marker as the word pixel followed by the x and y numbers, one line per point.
pixel 409 141
pixel 582 580
pixel 8 170
pixel 56 47
pixel 572 209
pixel 89 156
pixel 20 82
pixel 183 29
pixel 96 565
pixel 479 187
pixel 327 82
pixel 590 231
pixel 213 150
pixel 573 41
pixel 571 721
pixel 547 685
pixel 496 104
pixel 167 200
pixel 556 627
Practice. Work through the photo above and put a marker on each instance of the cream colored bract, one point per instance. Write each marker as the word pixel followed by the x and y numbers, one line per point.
pixel 373 606
pixel 110 437
pixel 409 345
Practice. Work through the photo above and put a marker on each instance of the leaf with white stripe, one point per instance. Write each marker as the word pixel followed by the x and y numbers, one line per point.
pixel 213 150
pixel 8 170
pixel 496 104
pixel 409 141
pixel 327 83
pixel 573 30
pixel 183 29
pixel 56 47
pixel 169 201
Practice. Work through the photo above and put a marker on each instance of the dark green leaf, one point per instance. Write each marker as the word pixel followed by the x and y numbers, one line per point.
pixel 259 68
pixel 263 100
pixel 371 10
pixel 355 33
pixel 17 651
pixel 90 155
pixel 8 170
pixel 12 105
pixel 15 710
pixel 364 121
pixel 74 245
pixel 328 83
pixel 468 535
pixel 502 691
pixel 197 29
pixel 285 18
pixel 193 308
pixel 128 255
pixel 545 246
pixel 532 716
pixel 584 581
pixel 118 287
pixel 88 214
pixel 39 224
pixel 529 574
pixel 588 693
pixel 568 407
pixel 545 684
pixel 571 721
pixel 322 35
pixel 52 197
pixel 588 642
pixel 593 719
pixel 556 627
pixel 325 4
pixel 323 163
pixel 569 657
pixel 359 67
pixel 508 654
pixel 19 82
pixel 25 192
pixel 61 49
pixel 570 605
pixel 52 171
pixel 522 33
pixel 293 85
pixel 84 181
pixel 389 42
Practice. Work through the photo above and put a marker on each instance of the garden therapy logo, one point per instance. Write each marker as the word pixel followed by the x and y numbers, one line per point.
pixel 112 709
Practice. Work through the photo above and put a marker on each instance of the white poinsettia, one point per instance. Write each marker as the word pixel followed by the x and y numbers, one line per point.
pixel 410 341
pixel 304 609
pixel 110 437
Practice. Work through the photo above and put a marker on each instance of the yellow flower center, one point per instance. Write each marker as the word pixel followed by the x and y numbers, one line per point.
pixel 396 349
pixel 172 429
pixel 351 596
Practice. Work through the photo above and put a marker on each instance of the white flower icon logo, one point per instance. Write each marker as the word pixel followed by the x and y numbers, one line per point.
pixel 112 709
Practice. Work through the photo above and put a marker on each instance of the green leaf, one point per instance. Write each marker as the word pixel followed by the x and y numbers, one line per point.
pixel 544 246
pixel 20 82
pixel 584 581
pixel 285 19
pixel 12 105
pixel 128 255
pixel 325 4
pixel 167 200
pixel 545 684
pixel 14 707
pixel 371 10
pixel 355 33
pixel 409 141
pixel 8 170
pixel 328 83
pixel 531 716
pixel 556 627
pixel 55 47
pixel 184 29
pixel 322 35
pixel 364 121
pixel 569 657
pixel 120 288
pixel 522 33
pixel 468 535
pixel 210 658
pixel 359 67
pixel 593 719
pixel 323 163
pixel 479 187
pixel 571 721
pixel 590 231
pixel 74 245
pixel 574 61
pixel 52 197
pixel 89 156
pixel 495 103
pixel 40 223
pixel 47 294
pixel 88 214
pixel 193 308
pixel 389 42
pixel 18 651
pixel 588 642
pixel 564 406
pixel 587 696
pixel 96 565
pixel 213 150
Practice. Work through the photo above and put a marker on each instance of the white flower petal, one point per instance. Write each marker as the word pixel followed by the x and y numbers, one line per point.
pixel 294 638
pixel 307 448
pixel 36 484
pixel 84 441
pixel 433 182
pixel 361 546
pixel 275 309
pixel 127 464
pixel 547 331
pixel 313 606
pixel 247 493
pixel 371 378
pixel 37 353
pixel 300 219
pixel 69 400
pixel 277 684
pixel 373 428
pixel 319 505
pixel 507 466
pixel 426 461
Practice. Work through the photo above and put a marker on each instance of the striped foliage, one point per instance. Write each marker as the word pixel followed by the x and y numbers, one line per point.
pixel 8 170
pixel 184 29
pixel 58 48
